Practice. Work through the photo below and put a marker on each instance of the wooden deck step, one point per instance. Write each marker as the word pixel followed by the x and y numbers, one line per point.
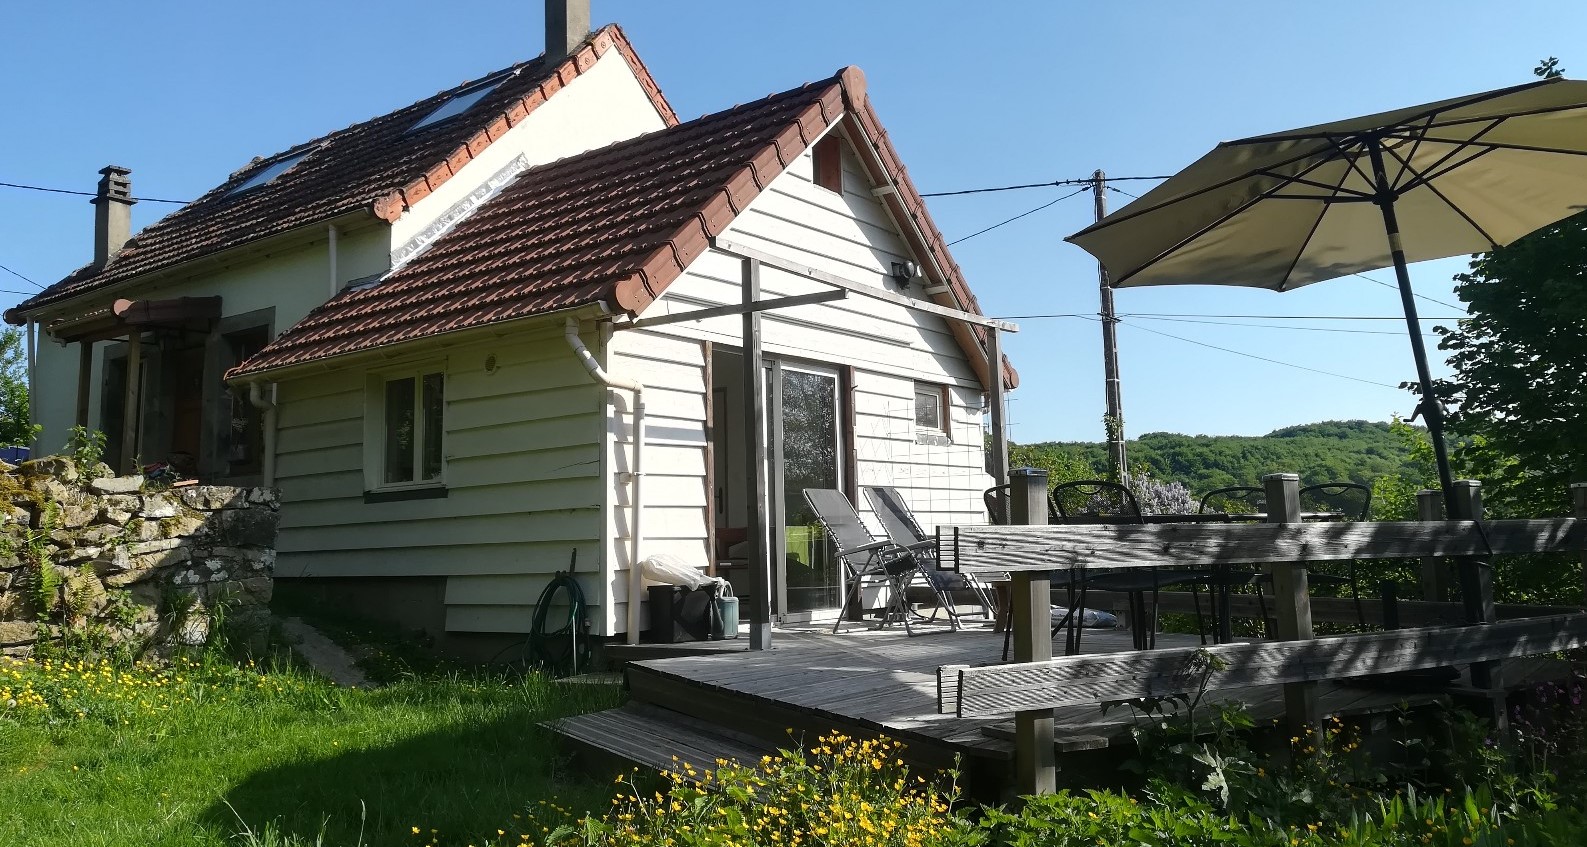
pixel 657 739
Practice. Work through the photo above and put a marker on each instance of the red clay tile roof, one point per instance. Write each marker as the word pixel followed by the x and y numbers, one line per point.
pixel 615 225
pixel 376 165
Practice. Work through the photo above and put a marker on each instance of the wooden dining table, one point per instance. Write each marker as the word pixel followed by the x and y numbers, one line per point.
pixel 1220 579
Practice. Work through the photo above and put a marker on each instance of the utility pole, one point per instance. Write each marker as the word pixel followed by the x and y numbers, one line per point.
pixel 1110 347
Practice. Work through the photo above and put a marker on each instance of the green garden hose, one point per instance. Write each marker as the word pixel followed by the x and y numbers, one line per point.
pixel 564 651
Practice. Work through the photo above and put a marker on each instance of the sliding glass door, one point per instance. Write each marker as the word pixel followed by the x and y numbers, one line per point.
pixel 806 452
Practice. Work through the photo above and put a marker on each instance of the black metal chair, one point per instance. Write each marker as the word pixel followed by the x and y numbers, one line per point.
pixel 996 500
pixel 1234 500
pixel 899 524
pixel 1354 501
pixel 866 557
pixel 1248 497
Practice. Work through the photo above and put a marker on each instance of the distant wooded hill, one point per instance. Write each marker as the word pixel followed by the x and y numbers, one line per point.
pixel 1331 451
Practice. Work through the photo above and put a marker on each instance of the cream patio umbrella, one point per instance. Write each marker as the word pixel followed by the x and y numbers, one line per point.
pixel 1281 211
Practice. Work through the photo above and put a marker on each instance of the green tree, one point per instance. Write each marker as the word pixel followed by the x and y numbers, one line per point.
pixel 14 426
pixel 1519 361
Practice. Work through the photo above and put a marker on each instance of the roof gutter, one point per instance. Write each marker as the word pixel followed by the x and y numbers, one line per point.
pixel 17 316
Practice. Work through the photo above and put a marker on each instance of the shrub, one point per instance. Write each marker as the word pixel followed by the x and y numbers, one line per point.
pixel 843 791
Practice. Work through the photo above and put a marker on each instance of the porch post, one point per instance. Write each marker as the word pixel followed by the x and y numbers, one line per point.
pixel 1035 761
pixel 85 379
pixel 755 440
pixel 1282 491
pixel 1578 493
pixel 994 370
pixel 134 403
pixel 1434 579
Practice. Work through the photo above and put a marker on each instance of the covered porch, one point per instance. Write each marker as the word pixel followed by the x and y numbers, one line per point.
pixel 150 378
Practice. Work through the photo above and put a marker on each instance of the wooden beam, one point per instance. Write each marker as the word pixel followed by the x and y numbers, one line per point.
pixel 1476 592
pixel 995 399
pixel 759 534
pixel 743 251
pixel 1035 761
pixel 133 403
pixel 1326 609
pixel 1292 599
pixel 711 435
pixel 1433 579
pixel 735 309
pixel 981 549
pixel 85 380
pixel 1074 680
pixel 1578 493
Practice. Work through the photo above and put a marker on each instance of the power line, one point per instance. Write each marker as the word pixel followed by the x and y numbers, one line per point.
pixel 23 278
pixel 1259 358
pixel 1021 215
pixel 1280 326
pixel 87 193
pixel 1057 183
pixel 1413 294
pixel 1287 317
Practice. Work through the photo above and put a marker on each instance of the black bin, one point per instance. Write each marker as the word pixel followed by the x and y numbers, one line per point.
pixel 679 614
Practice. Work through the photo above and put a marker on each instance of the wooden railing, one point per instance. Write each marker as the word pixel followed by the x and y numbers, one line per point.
pixel 1036 683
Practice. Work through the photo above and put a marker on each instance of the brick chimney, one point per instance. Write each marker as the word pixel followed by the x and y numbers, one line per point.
pixel 567 25
pixel 112 213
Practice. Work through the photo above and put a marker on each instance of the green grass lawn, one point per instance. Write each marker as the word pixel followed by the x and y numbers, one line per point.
pixel 187 756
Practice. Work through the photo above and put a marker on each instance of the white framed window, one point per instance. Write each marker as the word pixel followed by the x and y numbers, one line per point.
pixel 405 428
pixel 931 411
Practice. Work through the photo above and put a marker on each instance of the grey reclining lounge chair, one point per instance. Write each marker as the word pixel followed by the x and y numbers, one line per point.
pixel 899 523
pixel 865 557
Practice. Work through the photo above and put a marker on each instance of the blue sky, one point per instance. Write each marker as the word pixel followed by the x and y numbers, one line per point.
pixel 973 95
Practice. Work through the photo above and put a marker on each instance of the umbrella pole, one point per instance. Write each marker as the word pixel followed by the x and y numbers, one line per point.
pixel 1431 410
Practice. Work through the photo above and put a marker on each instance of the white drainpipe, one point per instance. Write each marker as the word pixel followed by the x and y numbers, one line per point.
pixel 31 330
pixel 330 239
pixel 256 396
pixel 636 533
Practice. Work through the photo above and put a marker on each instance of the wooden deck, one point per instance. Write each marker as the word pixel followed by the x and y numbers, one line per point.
pixel 735 704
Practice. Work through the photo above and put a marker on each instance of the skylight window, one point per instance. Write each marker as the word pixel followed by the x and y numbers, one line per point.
pixel 269 172
pixel 458 103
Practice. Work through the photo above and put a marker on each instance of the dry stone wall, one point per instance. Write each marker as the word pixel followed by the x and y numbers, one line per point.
pixel 116 561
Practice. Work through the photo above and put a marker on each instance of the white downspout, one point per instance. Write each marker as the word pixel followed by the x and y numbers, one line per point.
pixel 256 396
pixel 31 330
pixel 330 239
pixel 636 476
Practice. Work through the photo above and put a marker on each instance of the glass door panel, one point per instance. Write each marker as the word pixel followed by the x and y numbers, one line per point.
pixel 809 454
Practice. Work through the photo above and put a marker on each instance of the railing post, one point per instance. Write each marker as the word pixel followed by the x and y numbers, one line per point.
pixel 1578 493
pixel 1476 595
pixel 1282 491
pixel 1035 759
pixel 1435 575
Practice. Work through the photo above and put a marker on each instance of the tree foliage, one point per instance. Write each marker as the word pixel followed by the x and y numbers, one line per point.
pixel 1519 362
pixel 1332 451
pixel 14 426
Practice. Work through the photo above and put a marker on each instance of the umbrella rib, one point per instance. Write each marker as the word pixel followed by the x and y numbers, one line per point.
pixel 1543 110
pixel 1459 104
pixel 1118 218
pixel 1314 184
pixel 1283 284
pixel 1415 146
pixel 1350 160
pixel 1429 175
pixel 1220 221
pixel 1427 172
pixel 1505 145
pixel 1456 209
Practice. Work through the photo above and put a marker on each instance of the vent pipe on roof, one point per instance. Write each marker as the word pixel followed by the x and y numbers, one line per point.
pixel 567 25
pixel 112 213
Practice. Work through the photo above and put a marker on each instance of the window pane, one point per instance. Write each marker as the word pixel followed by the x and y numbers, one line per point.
pixel 928 412
pixel 434 423
pixel 399 430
